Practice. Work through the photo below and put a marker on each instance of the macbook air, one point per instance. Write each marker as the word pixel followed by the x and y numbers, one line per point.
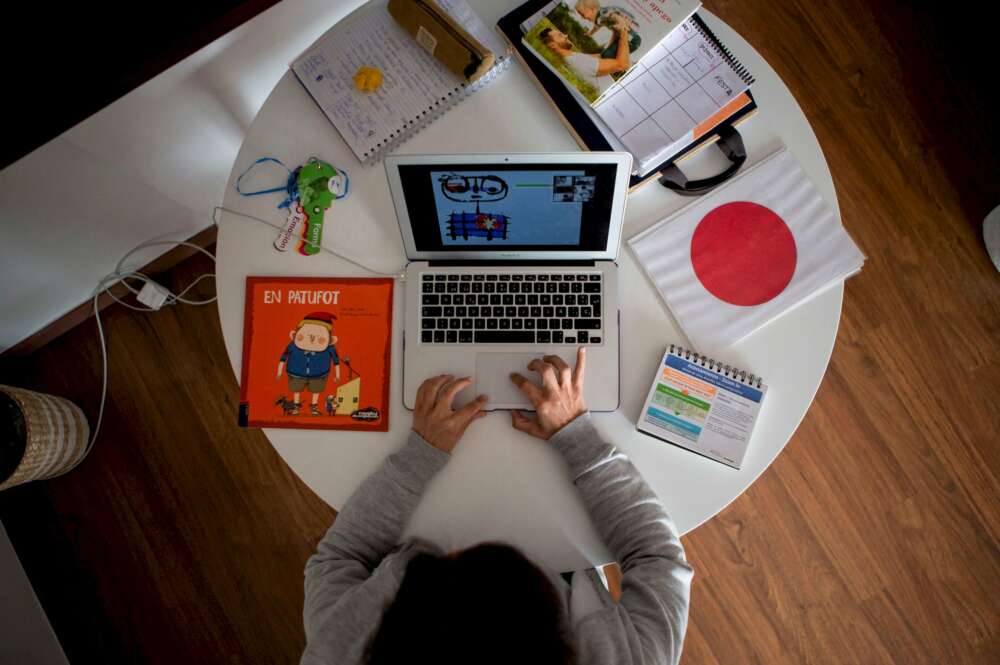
pixel 511 257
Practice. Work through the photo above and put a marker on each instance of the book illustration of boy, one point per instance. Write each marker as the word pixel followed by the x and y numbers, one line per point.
pixel 613 18
pixel 307 360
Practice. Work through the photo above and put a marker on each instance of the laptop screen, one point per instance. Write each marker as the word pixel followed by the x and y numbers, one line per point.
pixel 504 207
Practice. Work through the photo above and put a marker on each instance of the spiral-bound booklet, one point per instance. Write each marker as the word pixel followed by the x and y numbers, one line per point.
pixel 594 46
pixel 702 405
pixel 679 90
pixel 675 96
pixel 416 87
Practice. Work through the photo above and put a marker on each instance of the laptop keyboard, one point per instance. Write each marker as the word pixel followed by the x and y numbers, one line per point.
pixel 511 308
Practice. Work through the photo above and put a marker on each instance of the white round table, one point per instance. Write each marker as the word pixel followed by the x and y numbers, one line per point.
pixel 502 485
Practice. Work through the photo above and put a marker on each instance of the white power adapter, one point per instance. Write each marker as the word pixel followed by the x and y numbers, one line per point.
pixel 152 295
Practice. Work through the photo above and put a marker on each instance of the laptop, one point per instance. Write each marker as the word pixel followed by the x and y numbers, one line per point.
pixel 510 257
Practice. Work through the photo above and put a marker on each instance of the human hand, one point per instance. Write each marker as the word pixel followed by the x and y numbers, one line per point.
pixel 435 420
pixel 560 399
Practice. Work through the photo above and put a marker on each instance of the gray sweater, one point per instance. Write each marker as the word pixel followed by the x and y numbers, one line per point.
pixel 359 564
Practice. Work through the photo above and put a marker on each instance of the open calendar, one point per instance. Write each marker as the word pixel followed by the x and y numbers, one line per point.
pixel 683 83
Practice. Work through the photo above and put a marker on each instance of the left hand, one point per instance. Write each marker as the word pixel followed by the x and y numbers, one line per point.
pixel 433 416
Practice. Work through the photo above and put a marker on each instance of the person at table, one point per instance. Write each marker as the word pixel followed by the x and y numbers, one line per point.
pixel 589 67
pixel 369 599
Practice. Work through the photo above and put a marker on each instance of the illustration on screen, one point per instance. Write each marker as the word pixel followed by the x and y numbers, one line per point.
pixel 530 207
pixel 475 189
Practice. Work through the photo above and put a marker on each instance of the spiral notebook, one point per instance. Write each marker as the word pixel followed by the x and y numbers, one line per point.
pixel 416 88
pixel 702 405
pixel 687 84
pixel 590 35
pixel 658 129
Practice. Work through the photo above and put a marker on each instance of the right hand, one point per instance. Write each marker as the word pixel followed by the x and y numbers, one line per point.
pixel 560 399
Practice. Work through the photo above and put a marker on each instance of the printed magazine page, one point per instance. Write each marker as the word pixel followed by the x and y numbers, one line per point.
pixel 592 44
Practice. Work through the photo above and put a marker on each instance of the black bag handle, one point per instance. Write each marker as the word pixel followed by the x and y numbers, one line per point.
pixel 731 144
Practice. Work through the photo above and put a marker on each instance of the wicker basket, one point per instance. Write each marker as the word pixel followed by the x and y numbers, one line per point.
pixel 56 434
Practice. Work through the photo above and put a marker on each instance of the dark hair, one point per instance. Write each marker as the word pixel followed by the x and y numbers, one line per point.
pixel 487 605
pixel 544 34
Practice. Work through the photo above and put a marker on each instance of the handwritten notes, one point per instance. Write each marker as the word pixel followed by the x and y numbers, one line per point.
pixel 415 86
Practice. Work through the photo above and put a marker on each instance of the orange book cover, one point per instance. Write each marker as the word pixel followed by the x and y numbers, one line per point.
pixel 316 353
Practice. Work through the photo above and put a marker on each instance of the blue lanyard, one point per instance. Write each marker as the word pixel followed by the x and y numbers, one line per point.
pixel 291 187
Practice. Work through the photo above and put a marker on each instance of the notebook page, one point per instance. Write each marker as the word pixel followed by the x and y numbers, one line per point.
pixel 414 83
pixel 680 83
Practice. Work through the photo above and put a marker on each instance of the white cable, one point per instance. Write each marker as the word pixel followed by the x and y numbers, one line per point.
pixel 190 286
pixel 119 276
pixel 105 285
pixel 215 218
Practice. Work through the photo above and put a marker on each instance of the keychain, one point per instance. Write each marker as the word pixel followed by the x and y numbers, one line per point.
pixel 319 185
pixel 309 191
pixel 295 225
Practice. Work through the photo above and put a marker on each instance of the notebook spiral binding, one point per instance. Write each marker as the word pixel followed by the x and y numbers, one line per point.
pixel 711 364
pixel 722 50
pixel 434 111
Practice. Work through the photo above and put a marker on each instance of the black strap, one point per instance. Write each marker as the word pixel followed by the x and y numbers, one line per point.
pixel 731 144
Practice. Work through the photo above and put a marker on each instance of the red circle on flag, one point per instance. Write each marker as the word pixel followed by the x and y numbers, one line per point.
pixel 743 253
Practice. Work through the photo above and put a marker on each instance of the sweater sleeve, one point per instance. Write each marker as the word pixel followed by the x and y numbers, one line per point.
pixel 365 532
pixel 648 623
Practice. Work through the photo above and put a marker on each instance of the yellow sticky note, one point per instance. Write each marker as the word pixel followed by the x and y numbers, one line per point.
pixel 367 79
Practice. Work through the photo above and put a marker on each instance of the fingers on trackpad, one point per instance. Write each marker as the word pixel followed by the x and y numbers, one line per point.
pixel 493 378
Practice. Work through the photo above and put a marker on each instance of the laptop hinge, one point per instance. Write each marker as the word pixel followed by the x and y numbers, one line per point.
pixel 483 264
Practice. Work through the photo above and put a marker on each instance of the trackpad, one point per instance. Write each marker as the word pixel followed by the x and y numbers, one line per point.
pixel 493 378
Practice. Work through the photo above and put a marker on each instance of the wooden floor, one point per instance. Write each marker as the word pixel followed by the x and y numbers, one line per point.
pixel 872 539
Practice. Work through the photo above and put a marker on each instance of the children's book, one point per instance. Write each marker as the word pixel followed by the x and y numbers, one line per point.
pixel 594 44
pixel 316 353
pixel 702 405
